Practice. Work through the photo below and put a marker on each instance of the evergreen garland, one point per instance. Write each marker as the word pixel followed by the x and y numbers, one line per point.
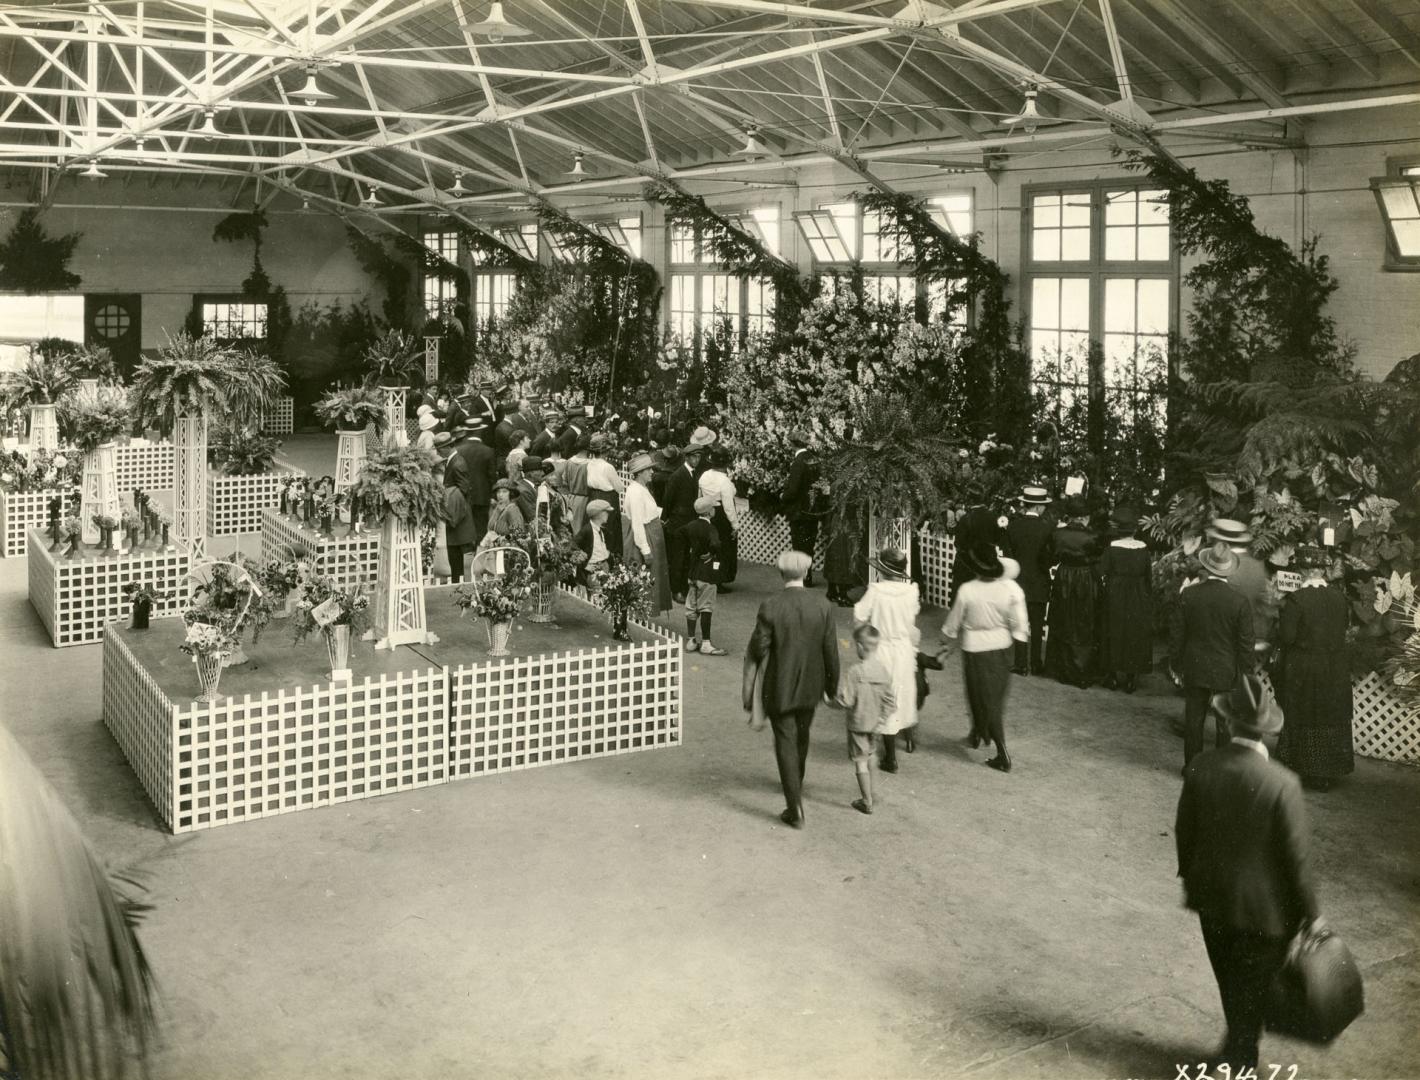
pixel 395 275
pixel 32 261
pixel 736 250
pixel 496 254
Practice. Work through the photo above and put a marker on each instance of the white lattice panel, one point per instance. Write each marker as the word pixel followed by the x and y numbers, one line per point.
pixel 1384 725
pixel 140 718
pixel 935 552
pixel 763 539
pixel 150 466
pixel 258 756
pixel 77 598
pixel 528 711
pixel 280 419
pixel 235 503
pixel 347 560
pixel 23 511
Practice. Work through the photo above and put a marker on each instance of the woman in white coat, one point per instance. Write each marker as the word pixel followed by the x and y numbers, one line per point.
pixel 891 605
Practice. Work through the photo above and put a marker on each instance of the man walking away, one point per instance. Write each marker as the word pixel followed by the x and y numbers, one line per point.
pixel 795 648
pixel 1242 854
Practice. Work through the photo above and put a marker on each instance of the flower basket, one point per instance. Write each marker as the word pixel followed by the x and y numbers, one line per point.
pixel 209 673
pixel 541 599
pixel 498 635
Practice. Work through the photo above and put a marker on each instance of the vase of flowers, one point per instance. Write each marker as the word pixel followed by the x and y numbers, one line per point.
pixel 623 593
pixel 340 614
pixel 73 532
pixel 142 598
pixel 337 644
pixel 497 599
pixel 209 646
pixel 106 527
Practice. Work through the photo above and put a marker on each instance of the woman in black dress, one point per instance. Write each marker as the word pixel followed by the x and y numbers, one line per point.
pixel 1072 622
pixel 1314 686
pixel 1126 573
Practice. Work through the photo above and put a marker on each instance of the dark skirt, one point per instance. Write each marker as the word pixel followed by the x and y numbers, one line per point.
pixel 987 676
pixel 845 556
pixel 657 563
pixel 1314 690
pixel 729 546
pixel 1073 623
pixel 1128 626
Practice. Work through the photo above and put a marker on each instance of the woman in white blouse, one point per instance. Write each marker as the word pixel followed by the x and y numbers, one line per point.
pixel 643 538
pixel 716 484
pixel 891 604
pixel 989 617
pixel 605 483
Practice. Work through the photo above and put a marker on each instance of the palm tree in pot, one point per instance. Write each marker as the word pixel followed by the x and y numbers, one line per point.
pixel 37 386
pixel 351 410
pixel 189 380
pixel 398 483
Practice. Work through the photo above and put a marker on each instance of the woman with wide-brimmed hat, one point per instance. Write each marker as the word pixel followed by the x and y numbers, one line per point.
pixel 891 604
pixel 1314 683
pixel 504 517
pixel 1073 634
pixel 643 537
pixel 1127 606
pixel 989 617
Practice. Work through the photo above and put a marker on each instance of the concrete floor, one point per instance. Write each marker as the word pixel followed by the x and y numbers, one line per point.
pixel 647 916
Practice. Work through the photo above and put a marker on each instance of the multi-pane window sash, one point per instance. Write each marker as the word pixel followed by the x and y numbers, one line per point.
pixel 704 298
pixel 238 320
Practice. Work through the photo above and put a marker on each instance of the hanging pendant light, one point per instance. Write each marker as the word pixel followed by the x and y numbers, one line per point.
pixel 1029 117
pixel 752 147
pixel 458 190
pixel 496 27
pixel 93 172
pixel 577 172
pixel 209 128
pixel 311 92
pixel 305 206
pixel 371 200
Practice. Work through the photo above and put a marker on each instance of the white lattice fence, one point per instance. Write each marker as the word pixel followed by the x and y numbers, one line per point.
pixel 935 552
pixel 23 511
pixel 145 465
pixel 346 559
pixel 764 538
pixel 140 718
pixel 280 419
pixel 1383 725
pixel 77 598
pixel 235 503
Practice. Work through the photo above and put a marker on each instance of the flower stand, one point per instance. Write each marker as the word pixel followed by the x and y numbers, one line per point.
pixel 99 491
pixel 44 428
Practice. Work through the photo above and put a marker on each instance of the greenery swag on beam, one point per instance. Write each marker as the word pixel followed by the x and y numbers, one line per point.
pixel 32 261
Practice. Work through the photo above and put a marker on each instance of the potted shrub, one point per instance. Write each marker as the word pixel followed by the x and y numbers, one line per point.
pixel 93 418
pixel 142 597
pixel 37 386
pixel 351 410
pixel 340 614
pixel 399 486
pixel 497 599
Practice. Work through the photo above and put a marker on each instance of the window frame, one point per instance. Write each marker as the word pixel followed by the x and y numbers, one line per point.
pixel 1398 171
pixel 705 267
pixel 200 300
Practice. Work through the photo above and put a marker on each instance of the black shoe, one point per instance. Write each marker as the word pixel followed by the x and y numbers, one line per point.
pixel 794 821
pixel 908 742
pixel 862 806
pixel 1108 683
pixel 889 766
pixel 1000 763
pixel 974 740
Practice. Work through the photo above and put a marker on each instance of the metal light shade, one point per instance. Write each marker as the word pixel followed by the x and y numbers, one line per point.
pixel 496 27
pixel 458 188
pixel 1029 117
pixel 305 206
pixel 577 173
pixel 93 172
pixel 209 127
pixel 752 147
pixel 311 92
pixel 372 199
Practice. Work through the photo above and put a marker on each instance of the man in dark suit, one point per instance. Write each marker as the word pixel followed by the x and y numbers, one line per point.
pixel 1026 534
pixel 571 435
pixel 795 643
pixel 481 407
pixel 544 441
pixel 517 418
pixel 797 501
pixel 1242 854
pixel 476 478
pixel 1211 644
pixel 678 511
pixel 451 415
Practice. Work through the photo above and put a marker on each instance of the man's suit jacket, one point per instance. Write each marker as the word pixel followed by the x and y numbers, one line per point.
pixel 798 488
pixel 542 444
pixel 681 493
pixel 481 408
pixel 1242 842
pixel 570 436
pixel 1026 535
pixel 1251 580
pixel 477 487
pixel 1212 635
pixel 795 637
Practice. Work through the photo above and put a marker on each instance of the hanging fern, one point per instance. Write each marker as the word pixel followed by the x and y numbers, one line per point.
pixel 32 261
pixel 241 226
pixel 400 480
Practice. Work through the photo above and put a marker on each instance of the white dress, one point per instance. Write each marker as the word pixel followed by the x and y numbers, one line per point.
pixel 892 607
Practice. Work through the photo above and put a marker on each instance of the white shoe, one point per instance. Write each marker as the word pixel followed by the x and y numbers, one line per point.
pixel 707 648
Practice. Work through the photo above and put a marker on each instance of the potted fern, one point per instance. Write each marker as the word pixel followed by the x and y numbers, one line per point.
pixel 93 417
pixel 398 484
pixel 392 363
pixel 352 410
pixel 37 386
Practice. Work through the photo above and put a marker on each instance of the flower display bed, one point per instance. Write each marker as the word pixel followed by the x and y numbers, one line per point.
pixel 280 740
pixel 235 503
pixel 345 559
pixel 77 598
pixel 281 419
pixel 21 512
pixel 150 466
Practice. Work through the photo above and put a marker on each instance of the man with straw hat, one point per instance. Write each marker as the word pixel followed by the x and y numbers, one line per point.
pixel 1250 578
pixel 1242 846
pixel 1211 644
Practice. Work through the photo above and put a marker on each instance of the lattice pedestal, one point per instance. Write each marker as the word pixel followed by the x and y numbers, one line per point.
pixel 98 491
pixel 190 502
pixel 77 598
pixel 396 434
pixel 22 512
pixel 345 559
pixel 349 458
pixel 235 503
pixel 44 428
pixel 1383 724
pixel 399 587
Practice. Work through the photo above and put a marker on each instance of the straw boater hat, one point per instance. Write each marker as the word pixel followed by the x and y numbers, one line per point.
pixel 640 463
pixel 891 561
pixel 598 506
pixel 1218 559
pixel 1229 531
pixel 1250 710
pixel 1035 496
pixel 702 436
pixel 442 439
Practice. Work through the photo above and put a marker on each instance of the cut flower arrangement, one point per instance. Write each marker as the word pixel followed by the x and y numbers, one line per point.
pixel 348 606
pixel 42 471
pixel 498 597
pixel 623 593
pixel 205 639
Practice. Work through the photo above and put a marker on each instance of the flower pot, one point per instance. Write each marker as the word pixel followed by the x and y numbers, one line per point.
pixel 337 643
pixel 113 544
pixel 327 526
pixel 498 635
pixel 544 593
pixel 166 546
pixel 619 629
pixel 141 610
pixel 209 671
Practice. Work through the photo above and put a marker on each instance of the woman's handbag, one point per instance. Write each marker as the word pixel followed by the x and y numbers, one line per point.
pixel 1318 991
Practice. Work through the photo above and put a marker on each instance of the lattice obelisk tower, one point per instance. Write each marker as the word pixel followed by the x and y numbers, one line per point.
pixel 190 483
pixel 349 458
pixel 98 493
pixel 395 398
pixel 399 589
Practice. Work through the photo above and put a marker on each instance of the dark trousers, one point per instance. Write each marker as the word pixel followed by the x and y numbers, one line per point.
pixel 1195 716
pixel 791 753
pixel 1244 964
pixel 456 557
pixel 675 558
pixel 987 676
pixel 1032 657
pixel 480 520
pixel 803 536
